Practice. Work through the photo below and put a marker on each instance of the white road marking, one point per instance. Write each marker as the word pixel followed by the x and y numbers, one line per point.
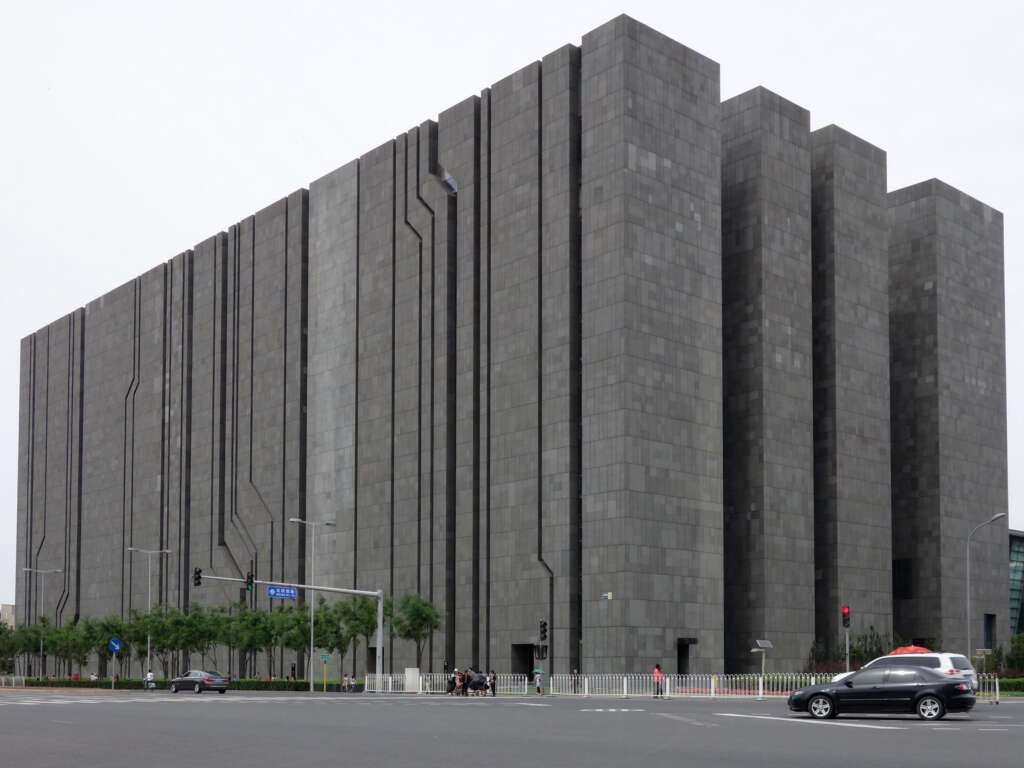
pixel 531 704
pixel 612 709
pixel 945 729
pixel 807 720
pixel 993 729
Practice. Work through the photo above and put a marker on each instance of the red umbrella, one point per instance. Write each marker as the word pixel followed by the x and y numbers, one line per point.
pixel 908 649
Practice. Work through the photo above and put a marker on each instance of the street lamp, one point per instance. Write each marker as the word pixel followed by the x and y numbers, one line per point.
pixel 149 588
pixel 974 530
pixel 42 602
pixel 312 574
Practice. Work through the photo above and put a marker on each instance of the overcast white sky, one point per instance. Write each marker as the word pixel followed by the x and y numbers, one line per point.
pixel 131 131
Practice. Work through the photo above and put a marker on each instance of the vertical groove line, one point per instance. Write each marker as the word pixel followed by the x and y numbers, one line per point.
pixel 540 361
pixel 164 425
pixel 490 177
pixel 433 284
pixel 68 449
pixel 181 434
pixel 29 578
pixel 575 367
pixel 136 369
pixel 476 383
pixel 303 363
pixel 355 410
pixel 40 608
pixel 355 461
pixel 81 440
pixel 419 370
pixel 187 436
pixel 391 495
pixel 222 392
pixel 300 554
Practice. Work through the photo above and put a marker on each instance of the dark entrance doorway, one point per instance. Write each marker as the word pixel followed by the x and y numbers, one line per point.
pixel 683 654
pixel 522 659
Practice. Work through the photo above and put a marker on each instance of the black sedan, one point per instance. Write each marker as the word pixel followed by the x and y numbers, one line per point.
pixel 894 690
pixel 197 681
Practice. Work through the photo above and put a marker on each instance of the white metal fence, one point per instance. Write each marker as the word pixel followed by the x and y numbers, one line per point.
pixel 777 684
pixel 988 688
pixel 12 681
pixel 437 683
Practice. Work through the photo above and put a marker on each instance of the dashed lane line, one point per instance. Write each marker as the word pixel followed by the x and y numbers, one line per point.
pixel 612 709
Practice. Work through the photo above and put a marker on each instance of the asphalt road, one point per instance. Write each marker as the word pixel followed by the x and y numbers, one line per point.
pixel 90 729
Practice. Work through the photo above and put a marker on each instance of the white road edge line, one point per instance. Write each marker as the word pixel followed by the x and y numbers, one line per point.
pixel 806 720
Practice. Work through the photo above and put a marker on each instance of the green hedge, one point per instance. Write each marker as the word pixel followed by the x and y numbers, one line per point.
pixel 1012 684
pixel 129 684
pixel 124 685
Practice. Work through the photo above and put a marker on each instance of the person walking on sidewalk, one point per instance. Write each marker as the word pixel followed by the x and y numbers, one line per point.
pixel 659 682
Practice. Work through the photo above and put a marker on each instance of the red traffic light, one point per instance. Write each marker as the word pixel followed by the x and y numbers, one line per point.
pixel 846 616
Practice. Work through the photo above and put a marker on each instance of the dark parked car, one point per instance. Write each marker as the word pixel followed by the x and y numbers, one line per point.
pixel 197 681
pixel 896 690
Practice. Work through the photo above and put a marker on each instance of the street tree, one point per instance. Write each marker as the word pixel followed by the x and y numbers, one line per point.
pixel 414 619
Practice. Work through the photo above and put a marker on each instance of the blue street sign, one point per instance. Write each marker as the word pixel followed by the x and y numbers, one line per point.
pixel 282 593
pixel 114 645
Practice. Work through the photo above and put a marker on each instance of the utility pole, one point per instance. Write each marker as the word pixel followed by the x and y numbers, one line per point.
pixel 149 591
pixel 42 603
pixel 378 595
pixel 311 525
pixel 998 516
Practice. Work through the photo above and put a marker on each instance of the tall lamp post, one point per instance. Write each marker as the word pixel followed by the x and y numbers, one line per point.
pixel 974 530
pixel 42 603
pixel 149 589
pixel 311 524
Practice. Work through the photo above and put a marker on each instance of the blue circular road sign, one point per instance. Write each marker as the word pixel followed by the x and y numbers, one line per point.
pixel 114 645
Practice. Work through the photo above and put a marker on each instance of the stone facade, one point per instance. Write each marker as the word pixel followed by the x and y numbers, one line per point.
pixel 947 330
pixel 768 426
pixel 592 349
pixel 852 517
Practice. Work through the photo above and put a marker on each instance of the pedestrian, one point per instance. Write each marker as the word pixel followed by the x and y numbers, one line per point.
pixel 149 680
pixel 453 681
pixel 659 682
pixel 539 682
pixel 575 680
pixel 492 682
pixel 344 684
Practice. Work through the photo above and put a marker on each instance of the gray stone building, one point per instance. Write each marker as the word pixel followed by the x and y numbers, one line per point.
pixel 592 348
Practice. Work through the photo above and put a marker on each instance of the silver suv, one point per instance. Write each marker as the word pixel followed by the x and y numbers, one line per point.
pixel 948 663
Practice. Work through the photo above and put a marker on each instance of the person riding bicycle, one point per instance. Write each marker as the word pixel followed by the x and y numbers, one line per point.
pixel 149 679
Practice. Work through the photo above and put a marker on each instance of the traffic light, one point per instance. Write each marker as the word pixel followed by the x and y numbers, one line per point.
pixel 846 616
pixel 197 577
pixel 248 581
pixel 543 630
